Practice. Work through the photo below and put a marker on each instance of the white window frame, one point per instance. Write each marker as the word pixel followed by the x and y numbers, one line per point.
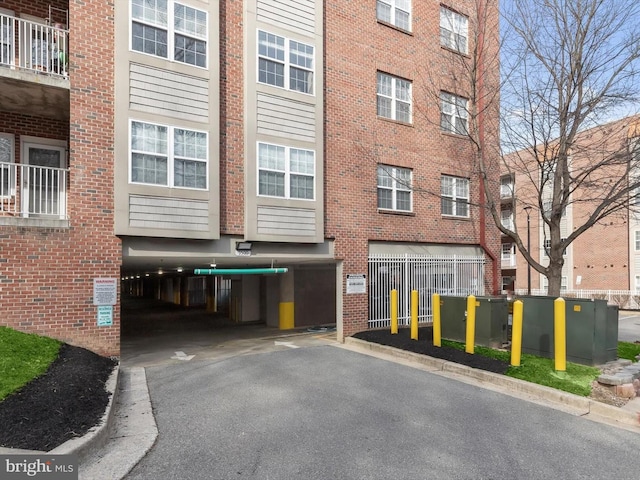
pixel 546 245
pixel 507 186
pixel 7 173
pixel 287 172
pixel 506 219
pixel 452 109
pixel 636 239
pixel 170 154
pixel 287 64
pixel 454 26
pixel 395 6
pixel 172 30
pixel 507 252
pixel 394 173
pixel 393 97
pixel 455 198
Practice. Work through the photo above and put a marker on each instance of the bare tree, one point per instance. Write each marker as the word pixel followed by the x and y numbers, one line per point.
pixel 567 67
pixel 571 66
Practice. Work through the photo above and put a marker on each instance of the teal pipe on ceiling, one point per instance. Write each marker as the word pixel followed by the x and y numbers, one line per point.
pixel 238 271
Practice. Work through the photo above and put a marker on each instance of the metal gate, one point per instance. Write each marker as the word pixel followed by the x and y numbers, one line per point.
pixel 445 274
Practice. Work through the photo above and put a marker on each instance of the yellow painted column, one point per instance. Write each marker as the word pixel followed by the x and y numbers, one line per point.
pixel 437 326
pixel 516 333
pixel 560 334
pixel 394 311
pixel 471 324
pixel 176 284
pixel 286 307
pixel 414 315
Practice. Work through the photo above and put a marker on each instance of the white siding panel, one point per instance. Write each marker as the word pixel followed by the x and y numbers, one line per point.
pixel 286 118
pixel 296 15
pixel 167 93
pixel 286 221
pixel 168 213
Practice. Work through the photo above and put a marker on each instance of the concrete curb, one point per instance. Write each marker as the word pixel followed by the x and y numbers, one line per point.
pixel 584 406
pixel 98 436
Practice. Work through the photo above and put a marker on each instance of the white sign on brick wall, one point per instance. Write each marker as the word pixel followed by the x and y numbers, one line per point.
pixel 356 283
pixel 105 291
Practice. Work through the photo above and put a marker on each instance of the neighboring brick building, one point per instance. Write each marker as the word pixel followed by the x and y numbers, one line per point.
pixel 324 137
pixel 605 257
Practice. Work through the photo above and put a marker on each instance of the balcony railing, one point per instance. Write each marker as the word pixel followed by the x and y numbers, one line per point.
pixel 33 46
pixel 33 191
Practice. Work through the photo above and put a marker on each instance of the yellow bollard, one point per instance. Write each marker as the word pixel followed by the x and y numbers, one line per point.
pixel 414 315
pixel 471 324
pixel 516 334
pixel 560 334
pixel 437 331
pixel 394 311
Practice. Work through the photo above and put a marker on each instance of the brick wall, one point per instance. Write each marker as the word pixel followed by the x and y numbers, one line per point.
pixel 356 48
pixel 46 275
pixel 231 118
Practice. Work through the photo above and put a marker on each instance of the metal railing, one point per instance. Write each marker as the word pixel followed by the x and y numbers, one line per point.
pixel 33 46
pixel 33 191
pixel 624 299
pixel 445 274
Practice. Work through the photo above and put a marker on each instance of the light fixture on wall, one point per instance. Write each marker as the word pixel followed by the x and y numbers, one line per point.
pixel 180 269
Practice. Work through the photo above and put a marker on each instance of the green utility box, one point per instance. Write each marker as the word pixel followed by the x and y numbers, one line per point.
pixel 592 329
pixel 492 316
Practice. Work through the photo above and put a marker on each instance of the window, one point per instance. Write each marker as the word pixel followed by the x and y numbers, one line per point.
pixel 394 98
pixel 394 188
pixel 286 172
pixel 453 30
pixel 454 115
pixel 169 30
pixel 506 187
pixel 547 246
pixel 506 219
pixel 637 240
pixel 285 63
pixel 637 287
pixel 395 12
pixel 157 150
pixel 455 196
pixel 7 187
pixel 507 250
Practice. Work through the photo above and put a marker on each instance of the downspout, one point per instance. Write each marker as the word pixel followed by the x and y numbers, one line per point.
pixel 480 116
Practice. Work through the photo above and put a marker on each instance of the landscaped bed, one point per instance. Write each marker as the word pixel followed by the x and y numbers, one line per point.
pixel 578 379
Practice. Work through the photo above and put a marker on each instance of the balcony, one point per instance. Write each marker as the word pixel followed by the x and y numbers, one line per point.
pixel 34 76
pixel 34 192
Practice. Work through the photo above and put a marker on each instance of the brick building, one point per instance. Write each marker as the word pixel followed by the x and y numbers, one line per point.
pixel 142 140
pixel 605 257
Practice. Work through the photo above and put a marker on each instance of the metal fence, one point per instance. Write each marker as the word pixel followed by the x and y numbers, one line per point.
pixel 624 299
pixel 445 274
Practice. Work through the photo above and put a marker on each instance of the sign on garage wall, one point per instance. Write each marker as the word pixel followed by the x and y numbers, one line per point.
pixel 356 283
pixel 105 315
pixel 105 291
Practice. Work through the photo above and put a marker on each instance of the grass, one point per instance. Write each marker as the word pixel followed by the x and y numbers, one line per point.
pixel 23 357
pixel 628 350
pixel 576 380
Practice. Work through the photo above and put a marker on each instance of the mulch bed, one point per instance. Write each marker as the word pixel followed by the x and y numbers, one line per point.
pixel 424 345
pixel 65 402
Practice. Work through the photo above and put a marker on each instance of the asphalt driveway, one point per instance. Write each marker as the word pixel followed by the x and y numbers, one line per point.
pixel 322 412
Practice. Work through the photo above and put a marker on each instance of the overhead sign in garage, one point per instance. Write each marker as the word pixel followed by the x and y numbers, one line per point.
pixel 356 283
